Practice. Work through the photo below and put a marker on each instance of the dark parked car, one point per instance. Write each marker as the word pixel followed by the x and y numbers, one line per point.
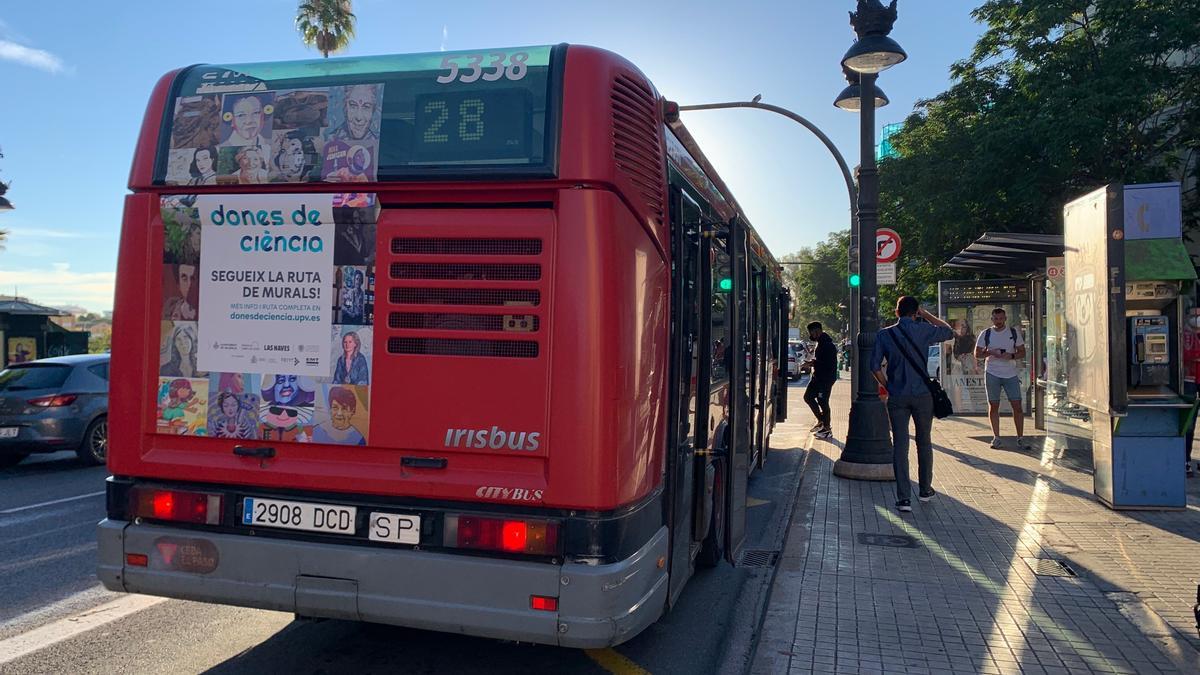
pixel 54 404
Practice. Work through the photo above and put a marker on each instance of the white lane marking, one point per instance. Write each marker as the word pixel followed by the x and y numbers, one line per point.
pixel 48 557
pixel 91 597
pixel 51 503
pixel 64 629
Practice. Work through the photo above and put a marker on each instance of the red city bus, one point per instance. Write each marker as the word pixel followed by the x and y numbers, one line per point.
pixel 474 342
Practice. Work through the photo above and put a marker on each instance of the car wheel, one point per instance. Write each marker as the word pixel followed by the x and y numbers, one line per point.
pixel 94 448
pixel 12 459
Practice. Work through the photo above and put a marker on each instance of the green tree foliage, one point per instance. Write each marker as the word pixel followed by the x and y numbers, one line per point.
pixel 1057 98
pixel 325 25
pixel 819 286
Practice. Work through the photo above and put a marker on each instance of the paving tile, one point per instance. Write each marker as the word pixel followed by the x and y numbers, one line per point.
pixel 964 600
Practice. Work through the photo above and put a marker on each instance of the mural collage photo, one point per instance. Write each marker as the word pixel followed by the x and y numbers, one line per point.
pixel 310 135
pixel 267 313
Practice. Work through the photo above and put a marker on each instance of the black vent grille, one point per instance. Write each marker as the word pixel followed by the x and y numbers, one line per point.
pixel 430 246
pixel 637 140
pixel 522 349
pixel 467 271
pixel 446 321
pixel 463 296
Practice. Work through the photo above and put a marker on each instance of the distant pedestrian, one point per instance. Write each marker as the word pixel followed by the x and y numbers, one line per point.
pixel 824 374
pixel 902 345
pixel 1003 346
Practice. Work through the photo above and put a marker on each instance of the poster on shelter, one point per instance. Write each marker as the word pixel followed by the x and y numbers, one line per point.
pixel 22 350
pixel 265 298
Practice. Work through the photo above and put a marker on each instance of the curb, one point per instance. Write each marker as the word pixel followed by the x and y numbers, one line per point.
pixel 741 662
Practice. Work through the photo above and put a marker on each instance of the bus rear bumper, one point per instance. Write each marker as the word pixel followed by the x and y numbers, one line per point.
pixel 598 605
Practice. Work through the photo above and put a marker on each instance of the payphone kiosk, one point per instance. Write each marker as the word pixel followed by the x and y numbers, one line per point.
pixel 1126 270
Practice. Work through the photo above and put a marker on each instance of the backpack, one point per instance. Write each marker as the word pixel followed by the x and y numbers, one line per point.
pixel 987 337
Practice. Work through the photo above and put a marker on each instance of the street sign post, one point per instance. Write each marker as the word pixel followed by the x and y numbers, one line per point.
pixel 887 245
pixel 885 273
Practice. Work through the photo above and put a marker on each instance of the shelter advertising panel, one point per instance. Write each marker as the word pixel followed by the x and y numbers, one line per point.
pixel 1095 308
pixel 967 306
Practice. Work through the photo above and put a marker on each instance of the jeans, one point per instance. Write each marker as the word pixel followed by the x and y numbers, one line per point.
pixel 920 409
pixel 816 395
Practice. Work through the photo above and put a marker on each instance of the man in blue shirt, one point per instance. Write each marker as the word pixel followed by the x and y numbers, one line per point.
pixel 908 395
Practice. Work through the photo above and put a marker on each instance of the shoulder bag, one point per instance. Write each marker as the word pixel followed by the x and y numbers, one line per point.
pixel 942 407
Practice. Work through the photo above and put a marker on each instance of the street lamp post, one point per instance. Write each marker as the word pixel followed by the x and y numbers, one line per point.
pixel 868 451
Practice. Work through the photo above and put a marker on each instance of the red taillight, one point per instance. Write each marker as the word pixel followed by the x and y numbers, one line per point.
pixel 535 537
pixel 177 505
pixel 138 559
pixel 546 604
pixel 55 401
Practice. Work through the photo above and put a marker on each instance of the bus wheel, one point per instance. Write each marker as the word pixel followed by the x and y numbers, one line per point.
pixel 713 548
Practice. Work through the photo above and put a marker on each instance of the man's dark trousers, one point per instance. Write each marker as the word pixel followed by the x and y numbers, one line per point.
pixel 816 395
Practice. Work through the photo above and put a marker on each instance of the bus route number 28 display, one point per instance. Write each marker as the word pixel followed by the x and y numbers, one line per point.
pixel 468 126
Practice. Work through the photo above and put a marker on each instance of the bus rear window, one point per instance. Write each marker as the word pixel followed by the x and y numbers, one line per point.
pixel 361 119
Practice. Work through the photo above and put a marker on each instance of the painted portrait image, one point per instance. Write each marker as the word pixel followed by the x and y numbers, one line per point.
pixel 232 415
pixel 354 241
pixel 295 157
pixel 352 354
pixel 177 350
pixel 182 406
pixel 355 113
pixel 181 292
pixel 349 295
pixel 246 119
pixel 341 415
pixel 285 411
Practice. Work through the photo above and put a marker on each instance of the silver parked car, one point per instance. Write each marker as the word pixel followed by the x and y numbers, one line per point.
pixel 55 404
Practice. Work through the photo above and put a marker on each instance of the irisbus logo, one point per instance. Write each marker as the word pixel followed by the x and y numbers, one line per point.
pixel 494 438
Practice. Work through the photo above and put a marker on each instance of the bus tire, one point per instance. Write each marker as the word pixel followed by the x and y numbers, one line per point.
pixel 712 550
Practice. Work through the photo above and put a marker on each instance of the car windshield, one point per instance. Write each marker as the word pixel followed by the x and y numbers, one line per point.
pixel 24 377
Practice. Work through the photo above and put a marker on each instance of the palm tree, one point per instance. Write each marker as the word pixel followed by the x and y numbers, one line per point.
pixel 327 25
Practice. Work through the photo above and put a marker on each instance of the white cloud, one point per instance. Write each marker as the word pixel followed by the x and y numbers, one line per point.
pixel 46 233
pixel 28 56
pixel 57 284
pixel 445 35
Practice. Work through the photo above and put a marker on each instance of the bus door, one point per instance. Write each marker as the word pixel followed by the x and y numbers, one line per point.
pixel 682 479
pixel 737 465
pixel 753 358
pixel 784 318
pixel 762 397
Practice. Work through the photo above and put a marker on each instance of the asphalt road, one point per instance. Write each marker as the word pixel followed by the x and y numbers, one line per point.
pixel 49 597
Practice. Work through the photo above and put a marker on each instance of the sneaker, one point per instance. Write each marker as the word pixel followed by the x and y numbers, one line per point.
pixel 817 427
pixel 904 506
pixel 996 442
pixel 824 434
pixel 1190 471
pixel 1023 442
pixel 926 495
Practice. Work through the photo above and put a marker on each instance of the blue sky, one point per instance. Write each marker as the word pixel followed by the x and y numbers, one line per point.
pixel 76 77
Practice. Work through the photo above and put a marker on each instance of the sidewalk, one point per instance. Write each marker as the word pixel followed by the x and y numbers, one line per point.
pixel 952 588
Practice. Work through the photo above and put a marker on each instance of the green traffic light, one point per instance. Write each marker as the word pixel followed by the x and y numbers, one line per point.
pixel 855 280
pixel 725 284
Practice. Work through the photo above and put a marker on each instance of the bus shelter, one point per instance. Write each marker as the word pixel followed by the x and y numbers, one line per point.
pixel 967 306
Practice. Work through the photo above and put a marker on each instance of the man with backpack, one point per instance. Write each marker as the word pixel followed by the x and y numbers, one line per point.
pixel 1002 346
pixel 904 346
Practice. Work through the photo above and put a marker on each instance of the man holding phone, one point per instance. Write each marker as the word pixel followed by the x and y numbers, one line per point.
pixel 1003 347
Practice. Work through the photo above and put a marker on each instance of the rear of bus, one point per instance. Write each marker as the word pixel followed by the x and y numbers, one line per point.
pixel 392 344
